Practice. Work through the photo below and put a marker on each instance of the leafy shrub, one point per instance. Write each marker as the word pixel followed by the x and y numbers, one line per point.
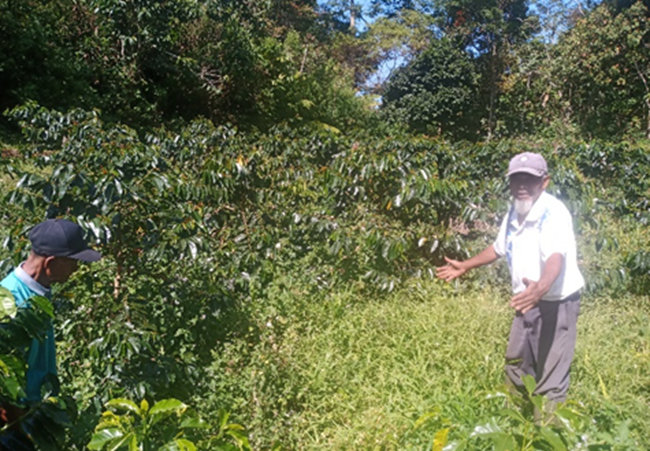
pixel 125 425
pixel 197 225
pixel 45 421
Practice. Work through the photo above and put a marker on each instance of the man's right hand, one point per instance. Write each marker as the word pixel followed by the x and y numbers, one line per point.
pixel 452 270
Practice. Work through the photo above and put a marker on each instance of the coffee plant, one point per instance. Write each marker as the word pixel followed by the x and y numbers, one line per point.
pixel 195 223
pixel 45 421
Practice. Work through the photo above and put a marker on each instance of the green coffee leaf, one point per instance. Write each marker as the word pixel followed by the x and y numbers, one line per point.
pixel 7 304
pixel 104 437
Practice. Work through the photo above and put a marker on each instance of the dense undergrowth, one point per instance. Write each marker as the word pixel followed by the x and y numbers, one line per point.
pixel 286 277
pixel 343 370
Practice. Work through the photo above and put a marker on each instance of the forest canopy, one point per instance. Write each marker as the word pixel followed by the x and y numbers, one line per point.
pixel 454 68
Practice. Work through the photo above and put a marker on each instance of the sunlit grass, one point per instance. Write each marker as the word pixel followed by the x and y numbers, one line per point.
pixel 357 373
pixel 379 366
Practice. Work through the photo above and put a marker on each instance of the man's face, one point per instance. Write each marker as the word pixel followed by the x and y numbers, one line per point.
pixel 527 187
pixel 59 269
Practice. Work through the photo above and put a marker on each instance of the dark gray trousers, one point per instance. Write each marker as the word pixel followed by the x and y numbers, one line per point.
pixel 542 343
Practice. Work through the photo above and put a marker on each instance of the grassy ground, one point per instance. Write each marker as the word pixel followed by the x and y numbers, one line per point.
pixel 344 373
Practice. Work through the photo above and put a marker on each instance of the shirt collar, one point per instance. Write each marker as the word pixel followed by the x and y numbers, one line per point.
pixel 31 283
pixel 539 207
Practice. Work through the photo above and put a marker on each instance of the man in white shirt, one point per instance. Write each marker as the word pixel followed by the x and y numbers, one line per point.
pixel 537 239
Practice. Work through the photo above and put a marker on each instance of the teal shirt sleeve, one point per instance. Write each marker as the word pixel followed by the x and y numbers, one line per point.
pixel 41 358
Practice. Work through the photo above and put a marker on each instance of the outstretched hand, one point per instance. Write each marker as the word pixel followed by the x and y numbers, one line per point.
pixel 452 270
pixel 528 298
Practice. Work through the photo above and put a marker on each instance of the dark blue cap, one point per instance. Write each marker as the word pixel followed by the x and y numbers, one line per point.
pixel 61 238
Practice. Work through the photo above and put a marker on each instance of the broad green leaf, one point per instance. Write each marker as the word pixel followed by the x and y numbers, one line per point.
pixel 11 386
pixel 502 442
pixel 180 444
pixel 195 423
pixel 133 444
pixel 121 442
pixel 513 413
pixel 493 432
pixel 44 304
pixel 167 406
pixel 239 438
pixel 538 402
pixel 569 416
pixel 529 383
pixel 10 364
pixel 223 419
pixel 123 404
pixel 440 439
pixel 552 438
pixel 103 437
pixel 7 304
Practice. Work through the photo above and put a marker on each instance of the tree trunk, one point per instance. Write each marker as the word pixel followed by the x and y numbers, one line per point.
pixel 352 18
pixel 646 98
pixel 647 126
pixel 493 90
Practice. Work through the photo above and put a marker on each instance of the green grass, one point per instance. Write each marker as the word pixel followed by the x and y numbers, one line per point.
pixel 339 371
pixel 374 368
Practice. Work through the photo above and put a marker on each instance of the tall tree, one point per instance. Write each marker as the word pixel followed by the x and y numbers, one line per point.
pixel 605 71
pixel 489 30
pixel 38 58
pixel 433 93
pixel 398 39
pixel 593 82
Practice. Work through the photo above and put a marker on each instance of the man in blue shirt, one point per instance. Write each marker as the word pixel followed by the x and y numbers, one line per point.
pixel 57 247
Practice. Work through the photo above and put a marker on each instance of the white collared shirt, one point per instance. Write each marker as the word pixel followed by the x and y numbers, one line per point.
pixel 547 230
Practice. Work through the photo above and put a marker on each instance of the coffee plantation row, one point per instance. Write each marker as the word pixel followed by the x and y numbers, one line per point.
pixel 193 224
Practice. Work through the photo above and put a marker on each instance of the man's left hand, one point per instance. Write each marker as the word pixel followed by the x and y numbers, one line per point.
pixel 528 298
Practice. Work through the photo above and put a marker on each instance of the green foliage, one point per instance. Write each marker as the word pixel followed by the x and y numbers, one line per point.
pixel 7 304
pixel 19 328
pixel 46 421
pixel 37 61
pixel 591 83
pixel 604 72
pixel 558 428
pixel 343 370
pixel 164 426
pixel 145 63
pixel 210 235
pixel 398 37
pixel 240 262
pixel 433 93
pixel 531 423
pixel 366 209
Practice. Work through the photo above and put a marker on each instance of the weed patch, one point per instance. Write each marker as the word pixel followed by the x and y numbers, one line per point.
pixel 350 372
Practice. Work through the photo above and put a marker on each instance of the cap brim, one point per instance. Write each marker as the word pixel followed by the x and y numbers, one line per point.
pixel 87 255
pixel 535 172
